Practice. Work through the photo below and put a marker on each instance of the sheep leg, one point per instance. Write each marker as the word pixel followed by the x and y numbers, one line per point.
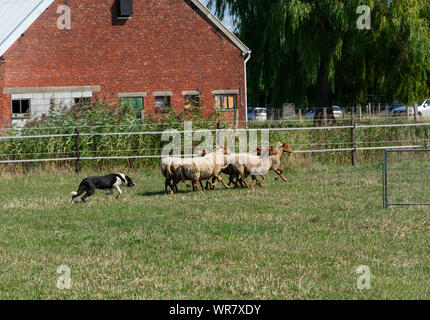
pixel 241 182
pixel 168 184
pixel 259 182
pixel 201 185
pixel 253 182
pixel 219 179
pixel 196 186
pixel 175 185
pixel 244 181
pixel 237 182
pixel 279 172
pixel 230 180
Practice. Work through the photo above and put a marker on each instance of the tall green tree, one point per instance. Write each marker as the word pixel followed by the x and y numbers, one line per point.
pixel 311 51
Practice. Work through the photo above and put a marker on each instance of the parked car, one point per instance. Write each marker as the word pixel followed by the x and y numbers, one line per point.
pixel 337 113
pixel 389 112
pixel 423 109
pixel 257 114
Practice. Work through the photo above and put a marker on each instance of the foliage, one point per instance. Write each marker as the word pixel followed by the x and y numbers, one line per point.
pixel 99 118
pixel 311 51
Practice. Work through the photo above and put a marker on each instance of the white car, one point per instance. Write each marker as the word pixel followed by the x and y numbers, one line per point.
pixel 337 113
pixel 257 114
pixel 423 110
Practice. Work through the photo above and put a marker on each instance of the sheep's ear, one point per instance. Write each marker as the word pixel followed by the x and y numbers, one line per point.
pixel 273 151
pixel 288 148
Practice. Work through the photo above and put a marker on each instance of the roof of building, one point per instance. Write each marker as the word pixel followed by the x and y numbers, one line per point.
pixel 221 26
pixel 16 16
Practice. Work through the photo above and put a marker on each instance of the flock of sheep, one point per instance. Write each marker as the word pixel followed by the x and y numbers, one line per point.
pixel 238 166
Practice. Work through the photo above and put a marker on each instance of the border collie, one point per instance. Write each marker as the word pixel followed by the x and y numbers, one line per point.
pixel 109 182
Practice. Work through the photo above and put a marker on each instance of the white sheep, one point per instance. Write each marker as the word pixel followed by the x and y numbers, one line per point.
pixel 200 169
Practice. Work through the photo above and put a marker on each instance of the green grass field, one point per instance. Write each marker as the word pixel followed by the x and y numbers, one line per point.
pixel 298 240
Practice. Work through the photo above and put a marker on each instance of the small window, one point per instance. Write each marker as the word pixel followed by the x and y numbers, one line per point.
pixel 191 101
pixel 225 101
pixel 83 101
pixel 135 103
pixel 21 108
pixel 162 102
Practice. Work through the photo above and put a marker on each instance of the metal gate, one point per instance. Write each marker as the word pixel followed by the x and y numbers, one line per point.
pixel 406 178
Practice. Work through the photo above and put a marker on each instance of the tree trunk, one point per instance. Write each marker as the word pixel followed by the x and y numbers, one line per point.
pixel 323 94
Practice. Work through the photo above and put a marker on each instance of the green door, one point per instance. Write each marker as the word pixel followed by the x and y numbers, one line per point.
pixel 135 103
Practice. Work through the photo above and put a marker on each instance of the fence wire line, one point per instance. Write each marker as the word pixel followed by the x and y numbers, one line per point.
pixel 216 130
pixel 161 156
pixel 161 148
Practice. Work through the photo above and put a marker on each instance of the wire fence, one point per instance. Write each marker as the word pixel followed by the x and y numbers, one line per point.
pixel 406 177
pixel 352 143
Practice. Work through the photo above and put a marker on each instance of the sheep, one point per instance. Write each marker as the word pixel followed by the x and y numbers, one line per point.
pixel 200 169
pixel 243 165
pixel 173 162
pixel 275 155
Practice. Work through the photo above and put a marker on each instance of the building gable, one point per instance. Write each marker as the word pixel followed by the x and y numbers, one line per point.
pixel 16 16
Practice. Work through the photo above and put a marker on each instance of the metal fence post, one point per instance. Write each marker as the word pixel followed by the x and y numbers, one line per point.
pixel 218 133
pixel 386 178
pixel 352 142
pixel 77 153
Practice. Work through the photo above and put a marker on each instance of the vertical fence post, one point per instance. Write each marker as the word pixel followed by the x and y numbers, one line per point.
pixel 386 178
pixel 359 113
pixel 236 118
pixel 353 141
pixel 300 116
pixel 325 115
pixel 77 153
pixel 416 113
pixel 218 133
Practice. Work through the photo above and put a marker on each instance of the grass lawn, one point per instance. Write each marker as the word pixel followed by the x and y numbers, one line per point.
pixel 298 240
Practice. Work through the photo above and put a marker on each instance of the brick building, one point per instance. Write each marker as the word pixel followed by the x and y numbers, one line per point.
pixel 151 53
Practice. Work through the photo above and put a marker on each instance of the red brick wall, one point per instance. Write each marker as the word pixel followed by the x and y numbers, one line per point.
pixel 166 46
pixel 5 111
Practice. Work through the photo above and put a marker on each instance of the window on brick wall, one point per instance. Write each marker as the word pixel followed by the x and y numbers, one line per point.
pixel 83 101
pixel 225 102
pixel 162 102
pixel 21 108
pixel 191 101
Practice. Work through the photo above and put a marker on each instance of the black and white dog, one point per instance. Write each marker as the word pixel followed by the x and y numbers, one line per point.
pixel 109 182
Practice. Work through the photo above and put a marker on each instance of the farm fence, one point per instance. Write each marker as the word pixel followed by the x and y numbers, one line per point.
pixel 76 154
pixel 406 177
